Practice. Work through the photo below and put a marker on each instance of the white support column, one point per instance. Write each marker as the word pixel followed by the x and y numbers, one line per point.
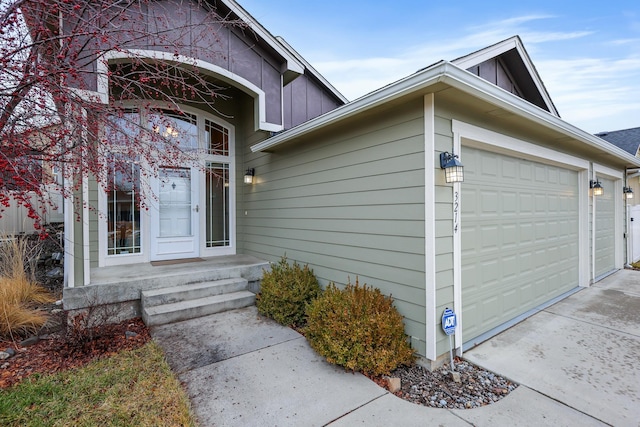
pixel 69 219
pixel 457 249
pixel 430 227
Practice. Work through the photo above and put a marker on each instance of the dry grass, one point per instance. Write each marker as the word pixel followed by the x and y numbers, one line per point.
pixel 18 290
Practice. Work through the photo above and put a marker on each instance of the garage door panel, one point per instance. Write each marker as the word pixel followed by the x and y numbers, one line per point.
pixel 605 229
pixel 527 224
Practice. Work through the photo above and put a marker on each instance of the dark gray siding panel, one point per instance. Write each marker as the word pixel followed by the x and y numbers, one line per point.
pixel 244 61
pixel 304 100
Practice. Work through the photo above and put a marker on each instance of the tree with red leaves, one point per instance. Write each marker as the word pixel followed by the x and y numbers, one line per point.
pixel 70 71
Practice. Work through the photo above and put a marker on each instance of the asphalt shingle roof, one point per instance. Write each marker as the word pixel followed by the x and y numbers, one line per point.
pixel 627 139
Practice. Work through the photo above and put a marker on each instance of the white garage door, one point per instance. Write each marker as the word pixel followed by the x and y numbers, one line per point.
pixel 605 229
pixel 519 237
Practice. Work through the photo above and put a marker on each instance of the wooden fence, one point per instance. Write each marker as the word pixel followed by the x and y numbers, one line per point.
pixel 14 219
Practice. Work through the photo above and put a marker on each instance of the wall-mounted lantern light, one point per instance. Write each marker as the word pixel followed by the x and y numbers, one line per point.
pixel 596 187
pixel 628 192
pixel 453 169
pixel 248 176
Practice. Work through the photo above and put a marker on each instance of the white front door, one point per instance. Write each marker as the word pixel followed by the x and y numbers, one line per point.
pixel 175 214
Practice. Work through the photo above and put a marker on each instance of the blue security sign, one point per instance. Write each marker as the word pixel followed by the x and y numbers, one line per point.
pixel 449 321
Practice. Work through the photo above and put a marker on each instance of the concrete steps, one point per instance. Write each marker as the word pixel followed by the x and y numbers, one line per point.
pixel 188 301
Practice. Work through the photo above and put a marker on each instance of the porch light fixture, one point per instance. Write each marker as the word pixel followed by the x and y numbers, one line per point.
pixel 248 176
pixel 628 192
pixel 453 169
pixel 596 187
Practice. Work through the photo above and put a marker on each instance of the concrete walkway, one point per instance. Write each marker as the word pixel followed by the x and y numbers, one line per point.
pixel 577 363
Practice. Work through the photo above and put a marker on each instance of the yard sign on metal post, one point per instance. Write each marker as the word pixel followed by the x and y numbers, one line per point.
pixel 449 323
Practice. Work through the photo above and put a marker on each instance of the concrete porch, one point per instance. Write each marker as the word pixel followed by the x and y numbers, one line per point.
pixel 207 280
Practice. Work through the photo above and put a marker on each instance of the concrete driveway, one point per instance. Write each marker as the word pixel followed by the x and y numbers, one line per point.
pixel 583 351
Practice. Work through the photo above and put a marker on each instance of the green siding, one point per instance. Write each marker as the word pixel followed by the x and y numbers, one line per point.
pixel 350 204
pixel 93 223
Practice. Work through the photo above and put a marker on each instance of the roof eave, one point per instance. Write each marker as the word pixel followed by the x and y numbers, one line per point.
pixel 414 82
pixel 462 80
pixel 480 88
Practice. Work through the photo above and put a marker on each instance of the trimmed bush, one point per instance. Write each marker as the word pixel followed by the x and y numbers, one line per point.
pixel 285 292
pixel 358 328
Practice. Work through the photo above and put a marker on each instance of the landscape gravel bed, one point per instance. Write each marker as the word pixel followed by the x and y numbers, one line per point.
pixel 477 386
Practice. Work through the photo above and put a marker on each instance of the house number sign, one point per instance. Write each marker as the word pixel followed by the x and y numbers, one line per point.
pixel 456 211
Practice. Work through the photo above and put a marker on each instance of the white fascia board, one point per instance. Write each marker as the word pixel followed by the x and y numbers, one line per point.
pixel 485 54
pixel 498 49
pixel 293 64
pixel 482 89
pixel 460 79
pixel 313 70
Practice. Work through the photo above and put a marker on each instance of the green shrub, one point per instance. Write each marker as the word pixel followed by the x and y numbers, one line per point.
pixel 358 328
pixel 285 292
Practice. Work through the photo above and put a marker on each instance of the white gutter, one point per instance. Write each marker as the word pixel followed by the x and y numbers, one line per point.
pixel 398 89
pixel 464 81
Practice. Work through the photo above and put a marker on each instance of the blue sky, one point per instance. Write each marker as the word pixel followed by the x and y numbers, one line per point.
pixel 587 53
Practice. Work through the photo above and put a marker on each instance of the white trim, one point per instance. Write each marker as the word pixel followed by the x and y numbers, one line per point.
pixel 431 319
pixel 490 52
pixel 457 250
pixel 482 138
pixel 231 160
pixel 478 137
pixel 449 74
pixel 69 249
pixel 221 73
pixel 608 172
pixel 86 256
pixel 292 62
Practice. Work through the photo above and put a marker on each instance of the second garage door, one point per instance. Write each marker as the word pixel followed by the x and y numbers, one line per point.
pixel 519 237
pixel 605 230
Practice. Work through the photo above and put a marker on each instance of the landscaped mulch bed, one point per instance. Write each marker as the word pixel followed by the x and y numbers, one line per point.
pixel 56 353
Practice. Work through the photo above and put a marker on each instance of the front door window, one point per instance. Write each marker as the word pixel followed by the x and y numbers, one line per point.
pixel 175 202
pixel 217 193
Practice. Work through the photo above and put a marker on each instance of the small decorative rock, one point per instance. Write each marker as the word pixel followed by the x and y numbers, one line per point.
pixel 130 334
pixel 10 351
pixel 4 355
pixel 393 384
pixel 5 365
pixel 29 341
pixel 56 311
pixel 455 376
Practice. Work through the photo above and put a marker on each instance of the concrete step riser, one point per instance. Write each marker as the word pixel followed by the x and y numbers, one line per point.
pixel 153 318
pixel 193 291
